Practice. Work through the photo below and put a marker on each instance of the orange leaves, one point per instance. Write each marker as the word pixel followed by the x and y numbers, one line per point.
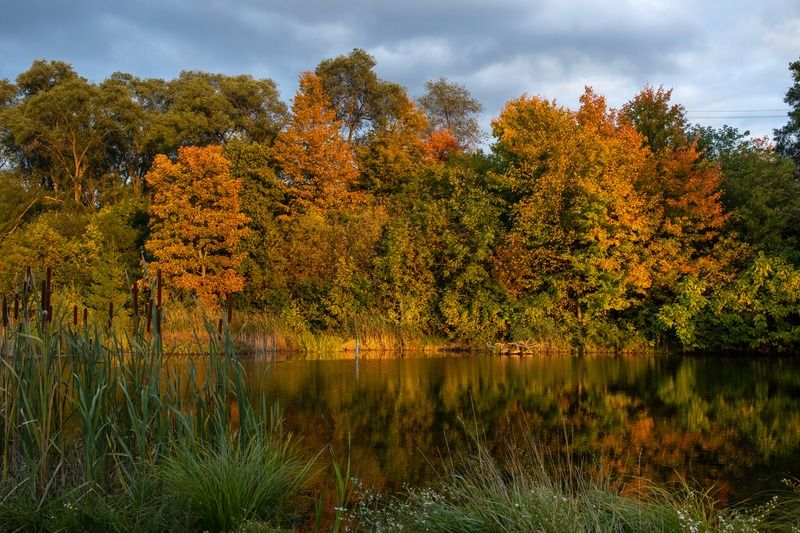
pixel 195 222
pixel 441 144
pixel 316 164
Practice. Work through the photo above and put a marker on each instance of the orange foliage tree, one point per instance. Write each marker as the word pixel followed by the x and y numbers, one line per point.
pixel 316 165
pixel 683 189
pixel 196 222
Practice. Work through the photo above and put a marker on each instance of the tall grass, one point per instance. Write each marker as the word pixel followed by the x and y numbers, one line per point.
pixel 84 408
pixel 527 491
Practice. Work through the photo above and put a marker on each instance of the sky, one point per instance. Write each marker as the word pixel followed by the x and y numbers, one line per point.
pixel 724 60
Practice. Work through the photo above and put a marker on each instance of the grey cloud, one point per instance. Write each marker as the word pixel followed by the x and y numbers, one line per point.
pixel 498 49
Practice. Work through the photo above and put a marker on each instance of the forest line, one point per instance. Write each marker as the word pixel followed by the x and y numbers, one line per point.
pixel 593 228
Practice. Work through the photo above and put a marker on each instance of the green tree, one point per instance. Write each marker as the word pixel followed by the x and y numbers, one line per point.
pixel 57 131
pixel 362 101
pixel 787 138
pixel 264 202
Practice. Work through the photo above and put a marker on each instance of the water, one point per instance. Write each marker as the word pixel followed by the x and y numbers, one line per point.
pixel 733 424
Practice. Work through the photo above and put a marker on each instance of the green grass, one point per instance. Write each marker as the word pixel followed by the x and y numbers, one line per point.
pixel 526 492
pixel 97 432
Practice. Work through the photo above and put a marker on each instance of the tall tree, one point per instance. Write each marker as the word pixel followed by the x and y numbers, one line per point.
pixel 449 106
pixel 57 133
pixel 316 165
pixel 196 222
pixel 662 124
pixel 787 138
pixel 393 153
pixel 575 248
pixel 361 100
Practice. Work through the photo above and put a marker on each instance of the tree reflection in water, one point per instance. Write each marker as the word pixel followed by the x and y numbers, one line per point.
pixel 729 423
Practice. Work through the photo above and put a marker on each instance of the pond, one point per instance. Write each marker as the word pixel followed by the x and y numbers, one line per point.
pixel 730 423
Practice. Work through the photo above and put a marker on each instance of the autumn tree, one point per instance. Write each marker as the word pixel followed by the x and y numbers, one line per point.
pixel 316 165
pixel 684 192
pixel 360 99
pixel 391 154
pixel 451 108
pixel 196 222
pixel 573 255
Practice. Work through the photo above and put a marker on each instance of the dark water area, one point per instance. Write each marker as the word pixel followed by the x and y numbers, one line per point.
pixel 731 424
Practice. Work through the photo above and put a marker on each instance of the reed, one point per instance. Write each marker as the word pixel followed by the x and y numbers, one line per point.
pixel 85 407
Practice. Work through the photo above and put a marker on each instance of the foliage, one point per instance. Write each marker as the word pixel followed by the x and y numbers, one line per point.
pixel 787 138
pixel 588 228
pixel 361 101
pixel 196 222
pixel 317 166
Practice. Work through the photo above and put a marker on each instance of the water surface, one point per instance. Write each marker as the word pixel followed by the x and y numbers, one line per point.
pixel 729 423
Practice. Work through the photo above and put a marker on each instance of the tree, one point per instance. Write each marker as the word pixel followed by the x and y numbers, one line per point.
pixel 263 200
pixel 449 106
pixel 195 222
pixel 214 108
pixel 361 100
pixel 316 165
pixel 575 247
pixel 760 191
pixel 683 190
pixel 787 138
pixel 57 131
pixel 393 153
pixel 662 125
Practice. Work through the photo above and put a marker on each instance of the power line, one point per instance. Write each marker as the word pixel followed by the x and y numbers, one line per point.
pixel 695 117
pixel 738 111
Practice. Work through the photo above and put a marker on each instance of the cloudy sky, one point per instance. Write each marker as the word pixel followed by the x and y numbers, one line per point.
pixel 724 59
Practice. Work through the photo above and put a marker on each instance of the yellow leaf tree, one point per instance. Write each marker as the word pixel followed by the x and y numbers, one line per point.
pixel 580 227
pixel 196 222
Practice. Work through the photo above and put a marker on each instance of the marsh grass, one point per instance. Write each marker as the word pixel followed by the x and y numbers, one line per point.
pixel 263 333
pixel 526 490
pixel 87 411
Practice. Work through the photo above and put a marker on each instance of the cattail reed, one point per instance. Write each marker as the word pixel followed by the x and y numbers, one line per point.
pixel 75 316
pixel 135 290
pixel 5 311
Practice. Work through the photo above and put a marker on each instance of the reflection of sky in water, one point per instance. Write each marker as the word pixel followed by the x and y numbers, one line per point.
pixel 731 423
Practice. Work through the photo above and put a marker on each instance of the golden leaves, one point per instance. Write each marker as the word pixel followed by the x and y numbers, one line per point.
pixel 196 222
